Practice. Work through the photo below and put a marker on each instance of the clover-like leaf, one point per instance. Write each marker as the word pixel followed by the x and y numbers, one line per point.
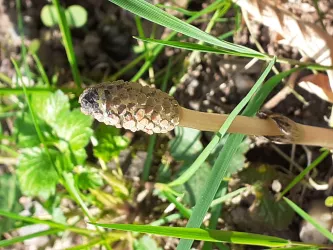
pixel 110 142
pixel 49 15
pixel 36 171
pixel 76 16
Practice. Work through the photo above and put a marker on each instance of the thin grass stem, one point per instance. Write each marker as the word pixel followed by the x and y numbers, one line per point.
pixel 68 44
pixel 299 177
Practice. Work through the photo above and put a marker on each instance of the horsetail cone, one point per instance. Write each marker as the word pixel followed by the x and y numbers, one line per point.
pixel 132 106
pixel 136 107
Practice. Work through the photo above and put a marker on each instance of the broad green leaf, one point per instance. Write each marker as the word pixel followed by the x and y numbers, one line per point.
pixel 192 188
pixel 9 196
pixel 88 179
pixel 74 127
pixel 258 173
pixel 74 132
pixel 36 172
pixel 186 145
pixel 150 12
pixel 76 16
pixel 238 160
pixel 267 211
pixel 203 234
pixel 146 243
pixel 50 107
pixel 274 213
pixel 110 142
pixel 49 16
pixel 26 134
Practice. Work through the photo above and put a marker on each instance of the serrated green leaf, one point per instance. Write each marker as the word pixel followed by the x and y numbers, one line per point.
pixel 73 130
pixel 76 16
pixel 110 142
pixel 274 213
pixel 238 160
pixel 9 196
pixel 36 173
pixel 26 133
pixel 50 107
pixel 146 243
pixel 186 145
pixel 74 127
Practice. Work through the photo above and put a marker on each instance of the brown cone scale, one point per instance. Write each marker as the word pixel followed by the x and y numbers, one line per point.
pixel 132 106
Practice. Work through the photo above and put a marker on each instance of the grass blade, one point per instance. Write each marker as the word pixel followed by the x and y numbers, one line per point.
pixel 159 48
pixel 228 196
pixel 18 91
pixel 68 44
pixel 157 15
pixel 50 223
pixel 88 245
pixel 251 111
pixel 308 218
pixel 200 48
pixel 210 49
pixel 5 243
pixel 41 70
pixel 221 165
pixel 181 208
pixel 205 153
pixel 299 177
pixel 203 234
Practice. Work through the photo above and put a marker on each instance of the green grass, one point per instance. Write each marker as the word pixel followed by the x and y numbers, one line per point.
pixel 222 163
pixel 5 243
pixel 299 177
pixel 68 43
pixel 309 219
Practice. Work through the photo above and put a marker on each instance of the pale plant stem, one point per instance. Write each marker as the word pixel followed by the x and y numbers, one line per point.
pixel 306 135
